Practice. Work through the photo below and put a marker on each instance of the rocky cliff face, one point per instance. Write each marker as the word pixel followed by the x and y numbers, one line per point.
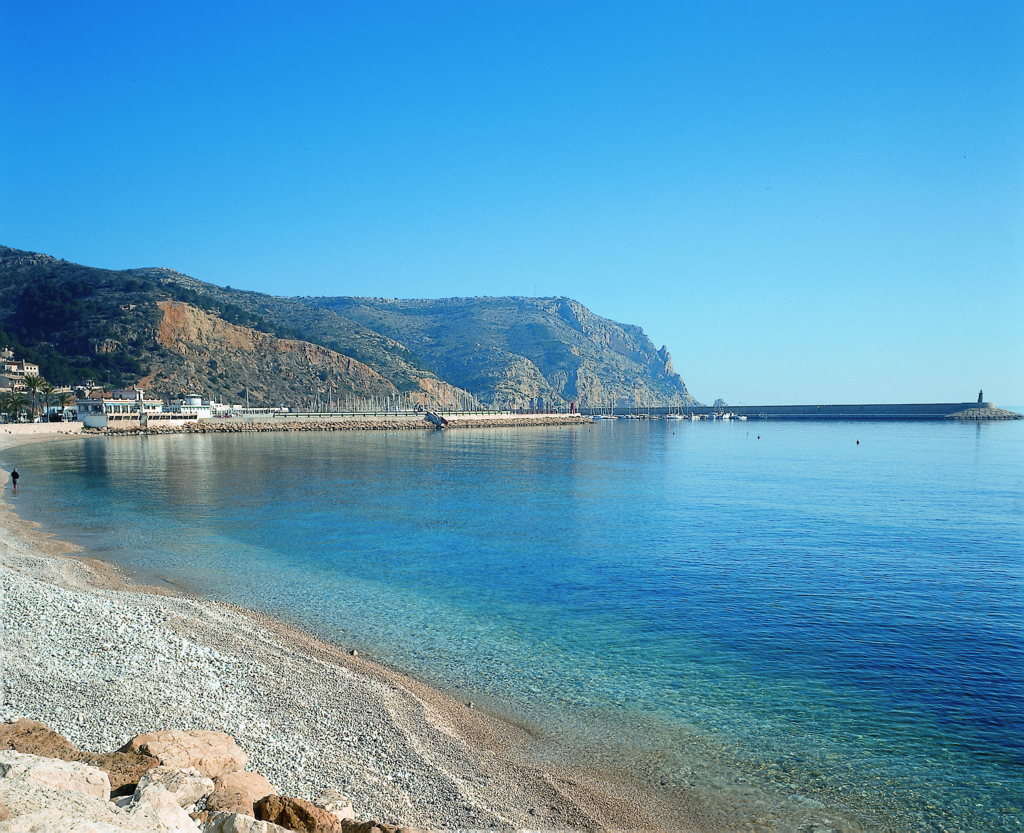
pixel 508 351
pixel 205 349
pixel 289 317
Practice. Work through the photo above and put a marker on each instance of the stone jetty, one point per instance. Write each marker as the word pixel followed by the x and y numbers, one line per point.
pixel 350 423
pixel 984 414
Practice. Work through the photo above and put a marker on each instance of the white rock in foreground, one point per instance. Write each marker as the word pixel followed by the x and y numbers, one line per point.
pixel 57 775
pixel 187 787
pixel 38 809
pixel 156 808
pixel 237 823
pixel 45 795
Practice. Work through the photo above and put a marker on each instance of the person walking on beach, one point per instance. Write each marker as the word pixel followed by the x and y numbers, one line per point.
pixel 14 480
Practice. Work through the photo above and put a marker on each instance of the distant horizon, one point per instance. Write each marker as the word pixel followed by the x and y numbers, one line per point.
pixel 793 198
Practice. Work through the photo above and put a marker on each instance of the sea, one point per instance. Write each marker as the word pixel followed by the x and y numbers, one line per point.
pixel 803 620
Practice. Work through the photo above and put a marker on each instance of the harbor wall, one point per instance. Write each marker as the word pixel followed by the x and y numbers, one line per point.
pixel 931 410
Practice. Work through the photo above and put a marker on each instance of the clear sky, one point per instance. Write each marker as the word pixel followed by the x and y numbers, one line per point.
pixel 817 202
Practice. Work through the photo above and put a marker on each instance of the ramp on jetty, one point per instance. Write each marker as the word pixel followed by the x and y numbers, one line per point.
pixel 935 410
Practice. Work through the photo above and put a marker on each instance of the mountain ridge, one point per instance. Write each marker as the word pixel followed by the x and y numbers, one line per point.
pixel 173 333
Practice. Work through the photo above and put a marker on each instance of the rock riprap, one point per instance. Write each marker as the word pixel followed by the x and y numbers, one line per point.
pixel 176 795
pixel 237 792
pixel 55 774
pixel 124 769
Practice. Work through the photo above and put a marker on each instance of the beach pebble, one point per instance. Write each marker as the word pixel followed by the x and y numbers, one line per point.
pixel 193 665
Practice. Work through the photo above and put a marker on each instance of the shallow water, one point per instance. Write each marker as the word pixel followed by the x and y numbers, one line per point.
pixel 755 605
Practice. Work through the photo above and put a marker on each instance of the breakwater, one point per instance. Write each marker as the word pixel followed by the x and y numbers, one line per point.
pixel 923 411
pixel 349 422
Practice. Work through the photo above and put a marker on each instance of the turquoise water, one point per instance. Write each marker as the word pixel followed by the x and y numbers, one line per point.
pixel 724 607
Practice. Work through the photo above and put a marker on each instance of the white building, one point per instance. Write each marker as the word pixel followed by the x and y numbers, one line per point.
pixel 20 368
pixel 125 409
pixel 131 409
pixel 192 407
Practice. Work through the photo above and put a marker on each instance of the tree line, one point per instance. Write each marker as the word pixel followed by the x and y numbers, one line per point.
pixel 15 403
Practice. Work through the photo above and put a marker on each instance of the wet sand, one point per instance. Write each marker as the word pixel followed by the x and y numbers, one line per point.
pixel 416 755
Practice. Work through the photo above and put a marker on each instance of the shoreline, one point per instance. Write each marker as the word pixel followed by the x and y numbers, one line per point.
pixel 402 751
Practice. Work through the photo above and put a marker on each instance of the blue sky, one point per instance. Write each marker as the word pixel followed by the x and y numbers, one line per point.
pixel 816 202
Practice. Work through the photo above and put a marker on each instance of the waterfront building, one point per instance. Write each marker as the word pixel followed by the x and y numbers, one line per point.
pixel 123 409
pixel 191 407
pixel 131 409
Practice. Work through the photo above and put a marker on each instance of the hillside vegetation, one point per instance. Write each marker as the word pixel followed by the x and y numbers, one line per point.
pixel 504 350
pixel 173 334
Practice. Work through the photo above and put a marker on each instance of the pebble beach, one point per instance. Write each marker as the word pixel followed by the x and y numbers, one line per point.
pixel 100 660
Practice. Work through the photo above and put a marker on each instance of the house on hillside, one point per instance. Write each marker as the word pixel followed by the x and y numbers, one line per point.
pixel 12 377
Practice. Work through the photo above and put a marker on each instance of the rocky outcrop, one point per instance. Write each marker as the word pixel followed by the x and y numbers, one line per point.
pixel 195 781
pixel 173 334
pixel 124 769
pixel 237 823
pixel 238 792
pixel 273 370
pixel 296 814
pixel 55 774
pixel 186 786
pixel 210 753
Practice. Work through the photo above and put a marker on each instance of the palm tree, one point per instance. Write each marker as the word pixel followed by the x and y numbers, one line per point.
pixel 21 403
pixel 34 383
pixel 63 398
pixel 13 404
pixel 46 389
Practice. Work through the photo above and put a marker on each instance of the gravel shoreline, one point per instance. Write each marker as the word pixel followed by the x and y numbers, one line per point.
pixel 100 660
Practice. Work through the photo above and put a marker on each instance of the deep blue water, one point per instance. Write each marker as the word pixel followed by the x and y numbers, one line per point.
pixel 705 605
